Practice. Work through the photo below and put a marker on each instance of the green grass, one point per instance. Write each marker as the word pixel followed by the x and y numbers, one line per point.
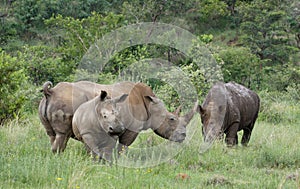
pixel 272 160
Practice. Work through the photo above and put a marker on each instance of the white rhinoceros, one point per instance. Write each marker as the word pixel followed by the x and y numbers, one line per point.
pixel 140 111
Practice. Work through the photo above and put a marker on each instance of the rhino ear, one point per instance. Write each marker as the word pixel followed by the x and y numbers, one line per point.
pixel 178 110
pixel 103 95
pixel 120 99
pixel 152 99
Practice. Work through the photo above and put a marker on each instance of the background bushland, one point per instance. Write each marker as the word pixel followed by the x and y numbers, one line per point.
pixel 256 43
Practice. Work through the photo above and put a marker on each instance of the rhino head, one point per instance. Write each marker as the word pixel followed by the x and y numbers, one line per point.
pixel 108 117
pixel 213 112
pixel 169 125
pixel 108 114
pixel 212 122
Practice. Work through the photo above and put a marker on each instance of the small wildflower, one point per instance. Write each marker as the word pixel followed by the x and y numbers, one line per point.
pixel 58 178
pixel 182 176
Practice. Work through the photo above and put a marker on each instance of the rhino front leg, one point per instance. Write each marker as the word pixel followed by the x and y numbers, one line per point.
pixel 231 135
pixel 100 145
pixel 125 140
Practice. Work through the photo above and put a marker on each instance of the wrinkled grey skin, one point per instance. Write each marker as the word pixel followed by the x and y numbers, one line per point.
pixel 140 111
pixel 97 123
pixel 227 109
pixel 57 107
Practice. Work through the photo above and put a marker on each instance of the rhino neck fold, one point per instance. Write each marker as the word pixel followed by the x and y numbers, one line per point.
pixel 160 133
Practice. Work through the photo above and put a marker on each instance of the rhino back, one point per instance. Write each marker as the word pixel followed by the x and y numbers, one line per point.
pixel 243 102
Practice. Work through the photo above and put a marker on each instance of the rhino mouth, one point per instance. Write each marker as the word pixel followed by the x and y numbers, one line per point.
pixel 179 140
pixel 116 132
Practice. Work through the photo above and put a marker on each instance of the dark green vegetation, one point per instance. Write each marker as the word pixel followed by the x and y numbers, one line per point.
pixel 255 42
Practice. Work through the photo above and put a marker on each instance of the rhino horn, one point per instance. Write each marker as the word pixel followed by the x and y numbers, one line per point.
pixel 191 113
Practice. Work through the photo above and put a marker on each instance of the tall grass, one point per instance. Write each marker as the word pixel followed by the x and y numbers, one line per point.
pixel 270 161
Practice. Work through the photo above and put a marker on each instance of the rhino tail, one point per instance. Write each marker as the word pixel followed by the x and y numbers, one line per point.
pixel 47 88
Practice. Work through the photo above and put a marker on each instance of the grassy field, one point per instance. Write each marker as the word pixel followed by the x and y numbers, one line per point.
pixel 272 159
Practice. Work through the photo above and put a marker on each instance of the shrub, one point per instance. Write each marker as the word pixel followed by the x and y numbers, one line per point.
pixel 44 63
pixel 241 66
pixel 13 82
pixel 279 107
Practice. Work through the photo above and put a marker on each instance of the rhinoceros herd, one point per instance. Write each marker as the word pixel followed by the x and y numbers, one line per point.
pixel 102 115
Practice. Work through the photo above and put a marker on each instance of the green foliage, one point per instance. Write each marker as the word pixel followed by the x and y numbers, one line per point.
pixel 8 31
pixel 122 60
pixel 137 11
pixel 241 66
pixel 45 63
pixel 13 83
pixel 280 107
pixel 206 38
pixel 53 36
pixel 278 78
pixel 75 36
pixel 205 68
pixel 265 30
pixel 212 9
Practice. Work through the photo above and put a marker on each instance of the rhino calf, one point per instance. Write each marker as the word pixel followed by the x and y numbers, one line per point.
pixel 229 108
pixel 97 123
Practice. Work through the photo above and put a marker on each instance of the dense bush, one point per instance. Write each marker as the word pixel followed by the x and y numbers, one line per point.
pixel 45 63
pixel 241 66
pixel 13 83
pixel 255 43
pixel 280 107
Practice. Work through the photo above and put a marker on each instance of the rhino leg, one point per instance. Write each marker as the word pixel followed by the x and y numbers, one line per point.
pixel 231 136
pixel 100 145
pixel 125 140
pixel 247 134
pixel 60 142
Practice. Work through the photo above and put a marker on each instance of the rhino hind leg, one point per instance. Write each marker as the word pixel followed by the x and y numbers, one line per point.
pixel 247 134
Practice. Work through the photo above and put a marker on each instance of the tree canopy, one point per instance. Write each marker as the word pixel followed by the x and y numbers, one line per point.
pixel 255 42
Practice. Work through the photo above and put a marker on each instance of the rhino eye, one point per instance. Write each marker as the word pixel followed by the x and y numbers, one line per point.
pixel 172 118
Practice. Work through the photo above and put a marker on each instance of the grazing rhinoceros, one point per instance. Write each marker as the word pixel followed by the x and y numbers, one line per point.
pixel 229 108
pixel 140 111
pixel 97 123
